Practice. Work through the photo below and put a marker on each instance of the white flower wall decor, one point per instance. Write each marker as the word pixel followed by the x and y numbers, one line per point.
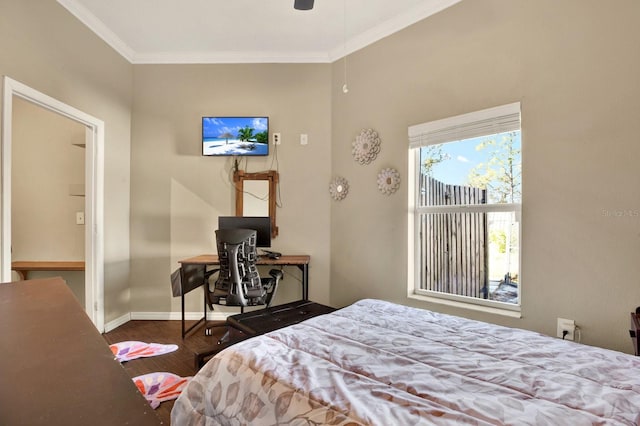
pixel 338 188
pixel 366 146
pixel 388 181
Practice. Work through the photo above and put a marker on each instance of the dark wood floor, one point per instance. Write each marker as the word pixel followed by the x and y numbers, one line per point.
pixel 180 362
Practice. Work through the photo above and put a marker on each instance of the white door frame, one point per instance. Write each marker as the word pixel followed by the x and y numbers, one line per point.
pixel 94 192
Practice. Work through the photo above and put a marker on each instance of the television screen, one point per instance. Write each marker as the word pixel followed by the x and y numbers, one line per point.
pixel 235 136
pixel 261 224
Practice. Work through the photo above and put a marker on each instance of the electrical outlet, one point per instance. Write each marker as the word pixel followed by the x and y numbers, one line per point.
pixel 277 138
pixel 567 325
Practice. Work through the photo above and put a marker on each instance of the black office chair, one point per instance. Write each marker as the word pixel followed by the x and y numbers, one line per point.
pixel 238 282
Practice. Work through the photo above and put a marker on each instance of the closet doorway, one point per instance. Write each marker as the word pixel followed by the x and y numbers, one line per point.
pixel 73 189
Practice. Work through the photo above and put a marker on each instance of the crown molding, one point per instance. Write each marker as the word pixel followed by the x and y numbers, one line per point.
pixel 98 27
pixel 229 57
pixel 419 12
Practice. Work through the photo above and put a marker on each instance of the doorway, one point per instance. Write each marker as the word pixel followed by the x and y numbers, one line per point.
pixel 93 191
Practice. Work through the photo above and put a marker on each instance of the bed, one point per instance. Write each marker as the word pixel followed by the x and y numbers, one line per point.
pixel 378 363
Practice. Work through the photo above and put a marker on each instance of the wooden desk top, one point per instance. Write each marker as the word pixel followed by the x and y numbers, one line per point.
pixel 56 368
pixel 23 267
pixel 47 265
pixel 212 259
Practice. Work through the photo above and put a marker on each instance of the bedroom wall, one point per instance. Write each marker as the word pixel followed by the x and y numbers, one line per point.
pixel 177 194
pixel 572 63
pixel 574 66
pixel 45 47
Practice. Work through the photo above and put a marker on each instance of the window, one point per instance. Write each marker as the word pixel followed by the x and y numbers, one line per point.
pixel 465 207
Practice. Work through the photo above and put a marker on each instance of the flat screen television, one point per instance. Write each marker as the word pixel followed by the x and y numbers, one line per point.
pixel 262 225
pixel 224 136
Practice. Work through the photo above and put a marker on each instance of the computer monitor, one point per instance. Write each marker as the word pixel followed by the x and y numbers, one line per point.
pixel 262 224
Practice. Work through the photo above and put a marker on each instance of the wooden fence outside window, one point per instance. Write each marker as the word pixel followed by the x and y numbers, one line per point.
pixel 454 244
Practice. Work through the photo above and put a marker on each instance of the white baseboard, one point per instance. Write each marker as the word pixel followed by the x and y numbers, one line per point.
pixel 163 316
pixel 112 325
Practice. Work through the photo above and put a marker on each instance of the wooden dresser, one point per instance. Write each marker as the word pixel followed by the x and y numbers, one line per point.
pixel 55 368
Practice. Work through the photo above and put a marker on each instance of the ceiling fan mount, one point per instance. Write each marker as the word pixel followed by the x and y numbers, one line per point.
pixel 303 4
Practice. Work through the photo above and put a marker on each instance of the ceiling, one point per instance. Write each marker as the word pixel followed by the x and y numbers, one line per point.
pixel 245 31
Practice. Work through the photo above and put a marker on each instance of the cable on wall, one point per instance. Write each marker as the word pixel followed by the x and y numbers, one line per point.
pixel 345 87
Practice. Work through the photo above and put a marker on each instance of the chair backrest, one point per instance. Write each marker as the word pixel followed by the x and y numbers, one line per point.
pixel 238 277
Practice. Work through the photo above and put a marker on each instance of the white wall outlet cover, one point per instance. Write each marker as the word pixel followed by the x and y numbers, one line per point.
pixel 567 325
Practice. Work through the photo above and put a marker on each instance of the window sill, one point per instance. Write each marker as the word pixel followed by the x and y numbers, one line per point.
pixel 468 306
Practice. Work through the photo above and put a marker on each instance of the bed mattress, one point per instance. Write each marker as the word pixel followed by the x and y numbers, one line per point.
pixel 378 363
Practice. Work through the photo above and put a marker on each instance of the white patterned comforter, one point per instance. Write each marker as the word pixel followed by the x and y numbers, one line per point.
pixel 377 363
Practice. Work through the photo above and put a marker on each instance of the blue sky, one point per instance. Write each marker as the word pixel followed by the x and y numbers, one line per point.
pixel 463 157
pixel 213 127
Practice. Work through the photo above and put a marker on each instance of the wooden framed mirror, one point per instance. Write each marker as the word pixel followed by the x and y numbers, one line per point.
pixel 256 195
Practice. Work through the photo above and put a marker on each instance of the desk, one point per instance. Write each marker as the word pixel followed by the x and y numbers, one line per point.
pixel 299 260
pixel 24 267
pixel 57 369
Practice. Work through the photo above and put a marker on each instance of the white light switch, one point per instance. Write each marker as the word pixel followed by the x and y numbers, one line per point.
pixel 79 218
pixel 304 139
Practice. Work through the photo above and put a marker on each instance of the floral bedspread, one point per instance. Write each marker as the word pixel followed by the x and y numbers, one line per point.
pixel 377 363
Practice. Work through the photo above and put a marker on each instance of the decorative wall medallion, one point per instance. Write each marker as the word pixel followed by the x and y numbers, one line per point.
pixel 339 188
pixel 366 146
pixel 388 181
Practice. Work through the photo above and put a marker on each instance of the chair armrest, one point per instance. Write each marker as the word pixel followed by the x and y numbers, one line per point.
pixel 277 274
pixel 207 274
pixel 272 286
pixel 207 285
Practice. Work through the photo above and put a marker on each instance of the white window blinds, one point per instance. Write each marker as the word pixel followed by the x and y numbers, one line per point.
pixel 505 118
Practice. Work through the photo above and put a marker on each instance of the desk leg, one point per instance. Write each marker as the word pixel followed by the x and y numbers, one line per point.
pixel 203 320
pixel 182 302
pixel 305 281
